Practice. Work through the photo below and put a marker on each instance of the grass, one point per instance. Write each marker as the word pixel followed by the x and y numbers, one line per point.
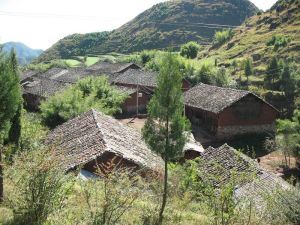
pixel 91 61
pixel 72 62
pixel 5 215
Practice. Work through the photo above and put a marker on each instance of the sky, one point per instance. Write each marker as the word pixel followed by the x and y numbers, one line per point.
pixel 41 23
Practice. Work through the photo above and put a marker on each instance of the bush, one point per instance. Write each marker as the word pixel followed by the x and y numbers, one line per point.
pixel 278 41
pixel 36 187
pixel 190 50
pixel 86 94
pixel 221 37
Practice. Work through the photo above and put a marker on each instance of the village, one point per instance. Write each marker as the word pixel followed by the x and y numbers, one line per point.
pixel 186 113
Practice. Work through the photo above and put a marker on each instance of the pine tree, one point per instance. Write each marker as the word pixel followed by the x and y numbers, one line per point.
pixel 248 69
pixel 10 99
pixel 272 73
pixel 165 126
pixel 289 87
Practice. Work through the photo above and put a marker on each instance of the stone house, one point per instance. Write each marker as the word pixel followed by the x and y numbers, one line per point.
pixel 226 112
pixel 94 138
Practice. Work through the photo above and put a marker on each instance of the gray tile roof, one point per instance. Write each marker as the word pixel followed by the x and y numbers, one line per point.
pixel 135 77
pixel 253 182
pixel 212 98
pixel 43 87
pixel 92 134
pixel 111 68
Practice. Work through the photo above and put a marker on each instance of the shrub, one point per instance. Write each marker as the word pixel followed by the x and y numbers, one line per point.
pixel 36 187
pixel 86 94
pixel 190 50
pixel 278 41
pixel 221 37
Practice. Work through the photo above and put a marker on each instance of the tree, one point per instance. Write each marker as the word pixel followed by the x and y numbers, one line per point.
pixel 272 73
pixel 288 136
pixel 289 87
pixel 10 98
pixel 165 126
pixel 190 50
pixel 81 97
pixel 248 69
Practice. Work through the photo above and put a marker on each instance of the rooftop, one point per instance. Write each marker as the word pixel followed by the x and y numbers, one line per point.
pixel 137 77
pixel 212 98
pixel 92 134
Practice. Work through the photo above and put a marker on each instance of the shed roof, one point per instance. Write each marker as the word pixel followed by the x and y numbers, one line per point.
pixel 137 77
pixel 92 134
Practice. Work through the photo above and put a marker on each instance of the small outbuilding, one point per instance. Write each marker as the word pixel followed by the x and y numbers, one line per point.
pixel 94 138
pixel 226 112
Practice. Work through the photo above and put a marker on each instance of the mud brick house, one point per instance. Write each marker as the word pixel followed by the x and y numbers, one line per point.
pixel 143 81
pixel 96 138
pixel 39 89
pixel 226 112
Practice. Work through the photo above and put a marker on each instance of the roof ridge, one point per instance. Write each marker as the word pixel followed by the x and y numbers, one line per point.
pixel 225 88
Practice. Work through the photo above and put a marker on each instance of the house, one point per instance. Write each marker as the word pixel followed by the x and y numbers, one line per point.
pixel 94 138
pixel 137 99
pixel 226 112
pixel 39 89
pixel 143 81
pixel 219 166
pixel 146 80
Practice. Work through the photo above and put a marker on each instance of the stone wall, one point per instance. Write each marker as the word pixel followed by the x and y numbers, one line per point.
pixel 229 132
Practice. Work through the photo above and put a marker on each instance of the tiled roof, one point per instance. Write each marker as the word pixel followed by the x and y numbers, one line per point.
pixel 223 161
pixel 28 73
pixel 126 90
pixel 135 77
pixel 43 87
pixel 253 182
pixel 92 134
pixel 212 98
pixel 111 68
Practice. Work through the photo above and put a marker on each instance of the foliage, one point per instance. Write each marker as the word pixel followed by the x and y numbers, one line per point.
pixel 86 94
pixel 10 93
pixel 248 68
pixel 190 50
pixel 278 41
pixel 74 45
pixel 163 130
pixel 36 187
pixel 208 74
pixel 289 85
pixel 288 137
pixel 42 67
pixel 108 206
pixel 221 37
pixel 273 72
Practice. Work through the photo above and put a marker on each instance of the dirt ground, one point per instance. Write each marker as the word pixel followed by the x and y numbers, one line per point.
pixel 275 162
pixel 137 123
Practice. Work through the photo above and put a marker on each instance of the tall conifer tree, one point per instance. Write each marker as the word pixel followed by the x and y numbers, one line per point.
pixel 165 126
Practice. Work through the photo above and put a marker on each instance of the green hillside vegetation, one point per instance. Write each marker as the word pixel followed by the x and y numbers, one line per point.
pixel 273 33
pixel 168 23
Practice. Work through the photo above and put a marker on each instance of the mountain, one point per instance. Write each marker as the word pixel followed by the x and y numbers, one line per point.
pixel 275 32
pixel 25 54
pixel 168 23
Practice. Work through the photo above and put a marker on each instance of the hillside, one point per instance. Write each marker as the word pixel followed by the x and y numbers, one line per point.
pixel 25 54
pixel 275 32
pixel 165 24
